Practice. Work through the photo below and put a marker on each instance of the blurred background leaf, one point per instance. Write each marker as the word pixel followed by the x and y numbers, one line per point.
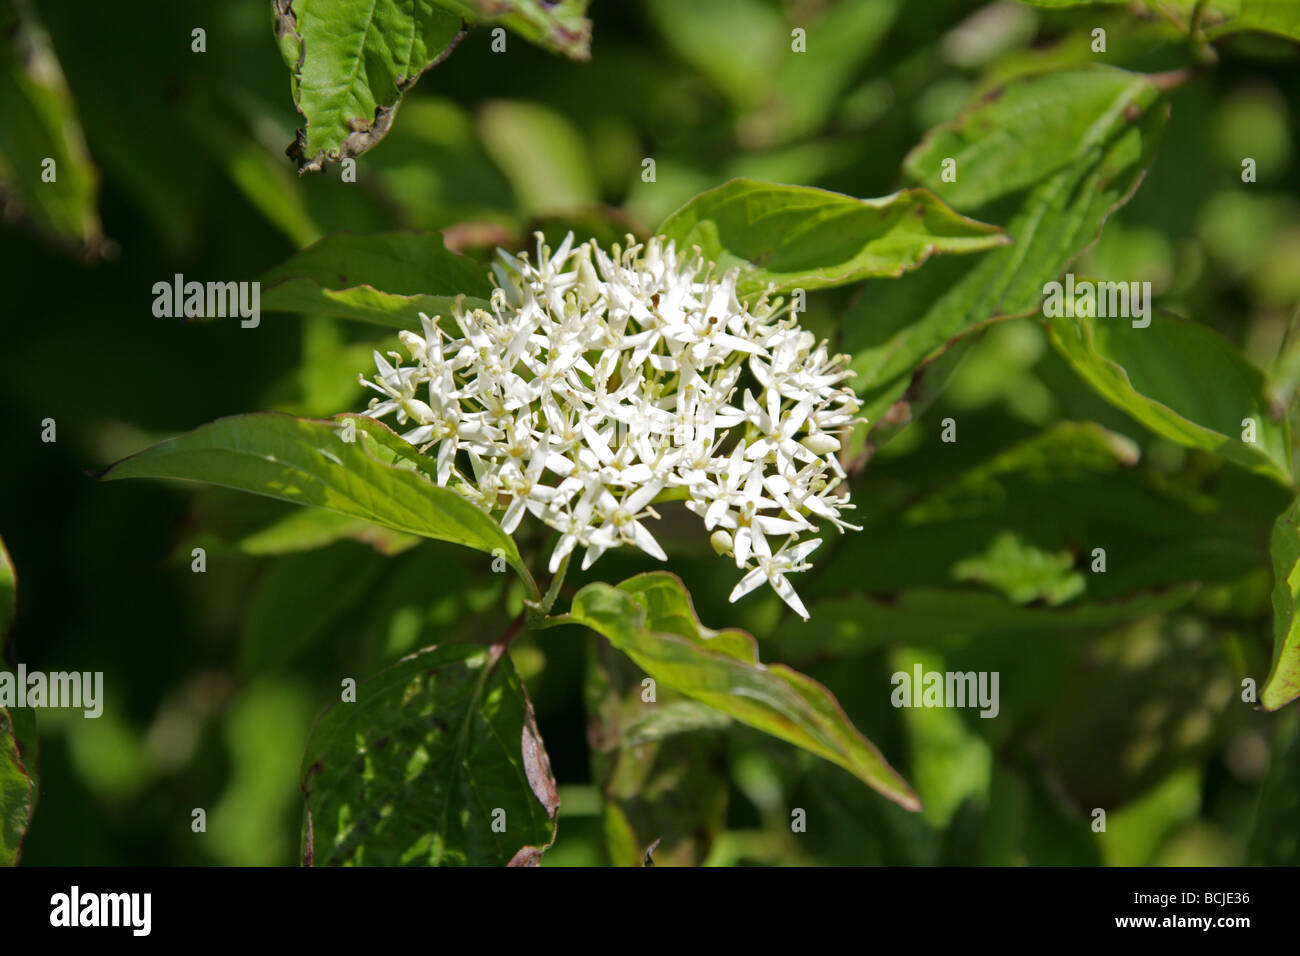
pixel 45 169
pixel 187 149
pixel 662 762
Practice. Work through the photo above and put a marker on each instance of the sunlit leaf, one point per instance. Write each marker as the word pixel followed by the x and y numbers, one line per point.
pixel 1159 375
pixel 650 618
pixel 899 328
pixel 438 762
pixel 1283 683
pixel 309 462
pixel 352 62
pixel 800 237
pixel 1018 134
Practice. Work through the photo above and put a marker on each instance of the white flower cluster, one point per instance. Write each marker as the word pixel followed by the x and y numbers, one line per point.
pixel 599 384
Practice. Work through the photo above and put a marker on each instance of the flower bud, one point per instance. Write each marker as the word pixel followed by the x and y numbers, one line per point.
pixel 415 344
pixel 588 284
pixel 417 410
pixel 721 542
pixel 821 443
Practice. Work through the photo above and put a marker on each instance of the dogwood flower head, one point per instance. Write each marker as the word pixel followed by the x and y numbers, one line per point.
pixel 599 383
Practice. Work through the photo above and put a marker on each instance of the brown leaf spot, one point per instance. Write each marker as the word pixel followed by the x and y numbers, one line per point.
pixel 527 856
pixel 537 765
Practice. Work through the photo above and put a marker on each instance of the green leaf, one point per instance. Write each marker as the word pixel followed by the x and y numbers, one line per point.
pixel 17 742
pixel 1016 135
pixel 40 124
pixel 17 792
pixel 1136 831
pixel 553 174
pixel 1074 487
pixel 560 26
pixel 257 169
pixel 434 165
pixel 259 736
pixel 899 328
pixel 734 43
pixel 139 123
pixel 351 63
pixel 1022 572
pixel 650 618
pixel 743 47
pixel 800 237
pixel 386 278
pixel 438 762
pixel 1219 17
pixel 1275 839
pixel 325 379
pixel 1284 372
pixel 951 762
pixel 307 462
pixel 805 89
pixel 1283 683
pixel 1281 17
pixel 1182 380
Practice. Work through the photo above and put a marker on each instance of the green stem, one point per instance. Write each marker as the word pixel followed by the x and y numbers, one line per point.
pixel 534 592
pixel 1195 28
pixel 553 591
pixel 1202 49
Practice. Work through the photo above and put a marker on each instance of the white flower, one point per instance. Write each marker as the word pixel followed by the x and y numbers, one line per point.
pixel 599 383
pixel 773 568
